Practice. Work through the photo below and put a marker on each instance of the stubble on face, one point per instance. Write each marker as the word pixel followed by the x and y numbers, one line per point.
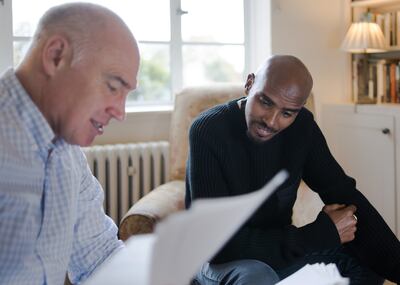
pixel 263 132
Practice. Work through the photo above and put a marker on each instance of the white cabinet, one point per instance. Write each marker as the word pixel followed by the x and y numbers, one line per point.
pixel 363 140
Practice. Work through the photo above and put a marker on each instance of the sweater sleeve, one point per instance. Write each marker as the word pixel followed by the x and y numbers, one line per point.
pixel 203 175
pixel 375 244
pixel 274 246
pixel 278 247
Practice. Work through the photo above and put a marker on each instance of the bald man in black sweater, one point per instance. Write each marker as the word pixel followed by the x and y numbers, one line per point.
pixel 235 148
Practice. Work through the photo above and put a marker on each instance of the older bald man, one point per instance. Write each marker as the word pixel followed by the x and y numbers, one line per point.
pixel 75 78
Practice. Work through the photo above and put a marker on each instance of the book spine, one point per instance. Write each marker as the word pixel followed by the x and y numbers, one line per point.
pixel 386 31
pixel 380 81
pixel 397 82
pixel 393 40
pixel 393 89
pixel 387 97
pixel 398 28
pixel 355 80
pixel 371 82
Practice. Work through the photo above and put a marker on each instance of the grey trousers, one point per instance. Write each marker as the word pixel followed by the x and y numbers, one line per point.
pixel 243 272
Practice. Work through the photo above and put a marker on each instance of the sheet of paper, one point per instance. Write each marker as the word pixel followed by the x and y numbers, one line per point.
pixel 183 241
pixel 316 274
pixel 129 265
pixel 189 239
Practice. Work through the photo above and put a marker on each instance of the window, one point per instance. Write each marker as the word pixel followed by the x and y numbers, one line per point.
pixel 182 42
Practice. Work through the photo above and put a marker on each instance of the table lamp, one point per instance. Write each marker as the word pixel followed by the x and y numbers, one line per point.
pixel 362 38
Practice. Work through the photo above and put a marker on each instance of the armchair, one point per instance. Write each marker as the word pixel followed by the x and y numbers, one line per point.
pixel 169 197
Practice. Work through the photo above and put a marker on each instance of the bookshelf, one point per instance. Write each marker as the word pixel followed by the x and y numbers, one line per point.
pixel 376 76
pixel 365 138
pixel 373 3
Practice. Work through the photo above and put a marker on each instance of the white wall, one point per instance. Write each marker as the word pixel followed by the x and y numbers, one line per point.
pixel 313 30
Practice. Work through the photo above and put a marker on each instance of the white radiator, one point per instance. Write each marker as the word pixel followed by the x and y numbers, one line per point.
pixel 127 172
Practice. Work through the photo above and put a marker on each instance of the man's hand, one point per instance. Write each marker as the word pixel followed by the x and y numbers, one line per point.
pixel 343 218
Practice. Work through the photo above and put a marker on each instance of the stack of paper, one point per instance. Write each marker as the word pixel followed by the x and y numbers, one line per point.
pixel 180 244
pixel 316 274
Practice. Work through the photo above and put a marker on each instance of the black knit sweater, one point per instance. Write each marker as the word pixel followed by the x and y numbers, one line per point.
pixel 223 161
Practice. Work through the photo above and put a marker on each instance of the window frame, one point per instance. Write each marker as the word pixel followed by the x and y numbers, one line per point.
pixel 256 48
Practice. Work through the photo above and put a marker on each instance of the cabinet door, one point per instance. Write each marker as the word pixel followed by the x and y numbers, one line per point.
pixel 364 146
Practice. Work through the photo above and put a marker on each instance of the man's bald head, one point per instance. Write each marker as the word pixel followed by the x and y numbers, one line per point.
pixel 286 74
pixel 83 24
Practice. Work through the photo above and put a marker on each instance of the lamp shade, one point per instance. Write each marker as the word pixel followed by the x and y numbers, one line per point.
pixel 364 37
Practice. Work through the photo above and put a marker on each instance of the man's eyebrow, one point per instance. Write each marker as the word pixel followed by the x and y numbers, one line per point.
pixel 266 97
pixel 292 110
pixel 119 79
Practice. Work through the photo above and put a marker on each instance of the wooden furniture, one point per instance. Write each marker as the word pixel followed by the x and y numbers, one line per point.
pixel 365 140
pixel 374 75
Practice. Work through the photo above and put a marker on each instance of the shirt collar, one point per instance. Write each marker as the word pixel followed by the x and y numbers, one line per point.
pixel 31 116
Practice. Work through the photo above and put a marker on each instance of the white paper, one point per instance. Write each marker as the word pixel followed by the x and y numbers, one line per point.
pixel 183 241
pixel 129 265
pixel 316 274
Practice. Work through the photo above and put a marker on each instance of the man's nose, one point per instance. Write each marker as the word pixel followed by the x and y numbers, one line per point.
pixel 272 119
pixel 117 110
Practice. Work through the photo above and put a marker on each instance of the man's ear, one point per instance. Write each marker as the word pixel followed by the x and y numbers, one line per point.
pixel 249 83
pixel 55 54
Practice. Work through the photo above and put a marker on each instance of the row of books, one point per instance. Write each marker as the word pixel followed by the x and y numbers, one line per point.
pixel 376 81
pixel 390 25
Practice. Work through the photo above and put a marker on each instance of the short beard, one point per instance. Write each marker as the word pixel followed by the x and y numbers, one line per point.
pixel 255 140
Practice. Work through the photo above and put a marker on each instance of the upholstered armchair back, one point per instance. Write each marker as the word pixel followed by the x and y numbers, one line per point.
pixel 189 103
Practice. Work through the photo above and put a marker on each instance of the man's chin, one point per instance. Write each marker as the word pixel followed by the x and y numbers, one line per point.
pixel 258 139
pixel 87 142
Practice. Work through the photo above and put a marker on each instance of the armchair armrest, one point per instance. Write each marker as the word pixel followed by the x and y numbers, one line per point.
pixel 159 203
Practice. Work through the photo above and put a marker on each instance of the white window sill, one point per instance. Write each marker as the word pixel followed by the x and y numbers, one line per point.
pixel 149 108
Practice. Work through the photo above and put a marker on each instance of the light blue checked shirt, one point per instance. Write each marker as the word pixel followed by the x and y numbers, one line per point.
pixel 51 216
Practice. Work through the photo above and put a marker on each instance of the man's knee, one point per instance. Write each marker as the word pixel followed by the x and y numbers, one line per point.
pixel 240 272
pixel 254 272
